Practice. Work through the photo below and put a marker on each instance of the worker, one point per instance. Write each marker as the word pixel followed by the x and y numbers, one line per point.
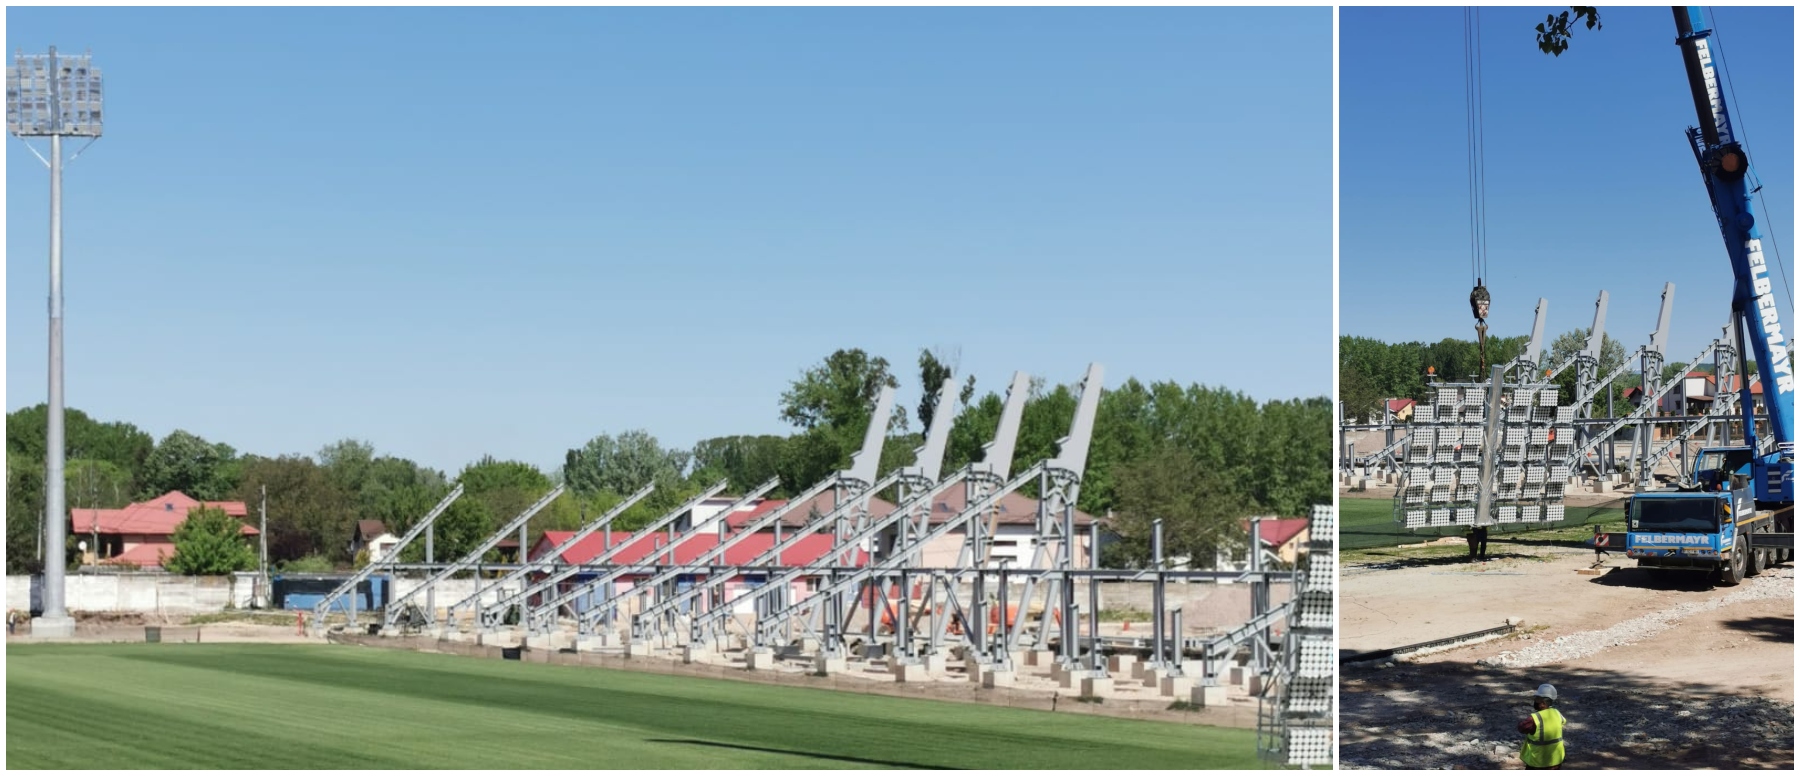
pixel 1543 732
pixel 1477 537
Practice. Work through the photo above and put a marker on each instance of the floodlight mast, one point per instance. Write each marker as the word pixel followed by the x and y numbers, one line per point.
pixel 36 107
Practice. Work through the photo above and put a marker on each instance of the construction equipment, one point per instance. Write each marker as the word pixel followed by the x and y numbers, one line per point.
pixel 1737 516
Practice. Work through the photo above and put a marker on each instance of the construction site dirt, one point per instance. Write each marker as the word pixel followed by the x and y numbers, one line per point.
pixel 1654 670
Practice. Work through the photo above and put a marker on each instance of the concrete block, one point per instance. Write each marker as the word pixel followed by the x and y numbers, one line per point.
pixel 1176 686
pixel 1071 680
pixel 1209 696
pixel 935 664
pixel 991 678
pixel 829 666
pixel 1137 669
pixel 695 653
pixel 1121 665
pixel 761 659
pixel 1040 658
pixel 1237 675
pixel 972 668
pixel 1153 677
pixel 1254 685
pixel 1096 685
pixel 638 649
pixel 909 672
pixel 537 655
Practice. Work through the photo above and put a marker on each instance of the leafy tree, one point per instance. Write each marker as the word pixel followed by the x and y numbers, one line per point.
pixel 839 392
pixel 1200 508
pixel 1358 393
pixel 192 465
pixel 120 444
pixel 932 373
pixel 210 542
pixel 745 461
pixel 623 464
pixel 309 514
pixel 1553 34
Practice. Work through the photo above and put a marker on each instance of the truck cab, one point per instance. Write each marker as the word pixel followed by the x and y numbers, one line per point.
pixel 1707 529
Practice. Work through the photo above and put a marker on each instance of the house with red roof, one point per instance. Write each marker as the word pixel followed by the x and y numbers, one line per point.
pixel 1285 537
pixel 142 534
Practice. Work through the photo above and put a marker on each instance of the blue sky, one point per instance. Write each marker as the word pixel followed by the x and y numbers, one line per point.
pixel 457 232
pixel 1590 183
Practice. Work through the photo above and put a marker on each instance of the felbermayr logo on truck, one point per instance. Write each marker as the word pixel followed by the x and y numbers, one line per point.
pixel 1715 102
pixel 1771 317
pixel 1697 540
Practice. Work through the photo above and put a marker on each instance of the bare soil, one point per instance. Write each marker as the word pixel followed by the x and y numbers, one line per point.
pixel 1682 678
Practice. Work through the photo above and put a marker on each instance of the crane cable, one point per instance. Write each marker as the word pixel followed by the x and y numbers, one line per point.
pixel 1737 128
pixel 1474 114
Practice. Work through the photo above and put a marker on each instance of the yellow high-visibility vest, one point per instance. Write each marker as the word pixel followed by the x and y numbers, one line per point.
pixel 1544 746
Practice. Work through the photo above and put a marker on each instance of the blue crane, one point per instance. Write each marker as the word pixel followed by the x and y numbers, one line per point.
pixel 1736 514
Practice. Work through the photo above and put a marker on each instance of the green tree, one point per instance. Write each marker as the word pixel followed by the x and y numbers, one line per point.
pixel 745 461
pixel 1199 507
pixel 309 514
pixel 1553 35
pixel 839 392
pixel 1358 393
pixel 932 373
pixel 192 465
pixel 210 542
pixel 623 464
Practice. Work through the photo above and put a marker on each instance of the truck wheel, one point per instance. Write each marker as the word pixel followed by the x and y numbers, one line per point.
pixel 1732 573
pixel 1754 562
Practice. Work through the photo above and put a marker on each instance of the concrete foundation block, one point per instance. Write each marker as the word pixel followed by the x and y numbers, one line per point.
pixel 991 678
pixel 1121 665
pixel 1237 675
pixel 1209 696
pixel 1254 685
pixel 1071 680
pixel 638 649
pixel 973 668
pixel 1153 677
pixel 1096 685
pixel 1040 658
pixel 761 659
pixel 695 653
pixel 935 663
pixel 829 666
pixel 53 627
pixel 1136 669
pixel 910 672
pixel 1176 686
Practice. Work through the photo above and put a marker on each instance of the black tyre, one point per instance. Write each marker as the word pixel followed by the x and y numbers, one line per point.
pixel 1733 573
pixel 1755 562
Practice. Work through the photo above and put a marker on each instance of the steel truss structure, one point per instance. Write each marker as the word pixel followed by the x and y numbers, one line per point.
pixel 1296 714
pixel 1432 457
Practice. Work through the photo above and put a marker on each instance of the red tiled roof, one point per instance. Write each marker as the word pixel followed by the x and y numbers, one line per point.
pixel 1279 531
pixel 369 529
pixel 1014 509
pixel 654 548
pixel 143 555
pixel 1397 405
pixel 1737 384
pixel 156 517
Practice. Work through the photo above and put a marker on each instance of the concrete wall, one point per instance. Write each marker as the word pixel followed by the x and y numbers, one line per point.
pixel 145 593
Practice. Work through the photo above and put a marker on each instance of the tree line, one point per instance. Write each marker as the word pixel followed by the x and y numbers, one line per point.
pixel 1199 458
pixel 1371 371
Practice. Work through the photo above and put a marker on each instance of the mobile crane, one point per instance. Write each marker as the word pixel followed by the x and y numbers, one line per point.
pixel 1735 515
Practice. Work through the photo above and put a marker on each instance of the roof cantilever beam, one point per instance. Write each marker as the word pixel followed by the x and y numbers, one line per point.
pixel 366 571
pixel 603 559
pixel 474 556
pixel 526 566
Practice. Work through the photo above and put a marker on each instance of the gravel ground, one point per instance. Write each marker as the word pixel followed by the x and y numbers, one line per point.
pixel 1776 583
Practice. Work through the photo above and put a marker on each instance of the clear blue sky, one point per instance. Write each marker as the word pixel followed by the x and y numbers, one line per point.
pixel 1590 182
pixel 457 232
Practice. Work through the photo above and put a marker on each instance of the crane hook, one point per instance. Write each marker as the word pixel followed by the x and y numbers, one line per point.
pixel 1479 301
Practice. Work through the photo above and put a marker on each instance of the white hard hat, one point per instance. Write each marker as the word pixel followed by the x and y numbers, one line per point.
pixel 1546 691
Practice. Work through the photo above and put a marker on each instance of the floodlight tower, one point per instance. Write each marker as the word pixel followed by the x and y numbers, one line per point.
pixel 54 97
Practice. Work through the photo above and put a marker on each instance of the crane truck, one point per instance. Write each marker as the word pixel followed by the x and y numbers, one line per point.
pixel 1735 513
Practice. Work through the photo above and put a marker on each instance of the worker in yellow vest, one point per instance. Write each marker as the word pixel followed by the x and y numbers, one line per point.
pixel 1543 732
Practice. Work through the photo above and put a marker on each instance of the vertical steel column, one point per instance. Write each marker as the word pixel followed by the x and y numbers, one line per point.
pixel 56 616
pixel 1156 594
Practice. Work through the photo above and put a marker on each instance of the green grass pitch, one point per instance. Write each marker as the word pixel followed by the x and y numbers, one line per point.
pixel 305 706
pixel 1369 522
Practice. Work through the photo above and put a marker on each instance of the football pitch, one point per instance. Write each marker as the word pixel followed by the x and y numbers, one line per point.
pixel 1369 522
pixel 305 706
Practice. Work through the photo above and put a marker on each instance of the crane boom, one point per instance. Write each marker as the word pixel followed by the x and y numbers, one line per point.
pixel 1725 167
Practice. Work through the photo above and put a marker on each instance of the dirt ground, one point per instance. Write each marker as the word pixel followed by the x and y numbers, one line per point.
pixel 1654 671
pixel 112 627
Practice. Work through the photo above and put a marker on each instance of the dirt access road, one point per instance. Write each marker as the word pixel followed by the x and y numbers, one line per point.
pixel 1654 671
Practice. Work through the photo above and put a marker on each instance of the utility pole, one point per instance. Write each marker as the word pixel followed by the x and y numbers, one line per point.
pixel 48 96
pixel 262 536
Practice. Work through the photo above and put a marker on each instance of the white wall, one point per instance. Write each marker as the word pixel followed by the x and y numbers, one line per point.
pixel 145 593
